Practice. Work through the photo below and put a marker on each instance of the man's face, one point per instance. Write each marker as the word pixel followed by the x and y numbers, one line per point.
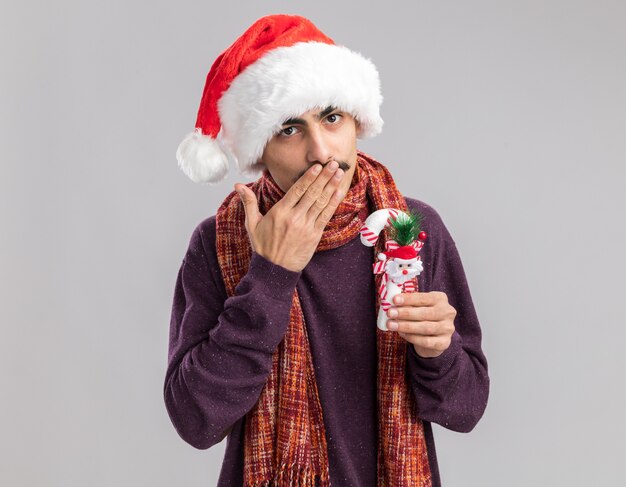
pixel 317 136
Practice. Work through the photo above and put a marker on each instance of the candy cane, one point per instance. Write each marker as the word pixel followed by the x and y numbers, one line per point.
pixel 370 231
pixel 375 223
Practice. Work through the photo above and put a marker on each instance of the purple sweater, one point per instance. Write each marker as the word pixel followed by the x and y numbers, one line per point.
pixel 220 349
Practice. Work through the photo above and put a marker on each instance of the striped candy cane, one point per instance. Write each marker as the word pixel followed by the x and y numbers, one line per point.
pixel 370 231
pixel 375 223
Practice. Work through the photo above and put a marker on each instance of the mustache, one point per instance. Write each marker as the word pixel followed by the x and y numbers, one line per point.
pixel 401 278
pixel 342 165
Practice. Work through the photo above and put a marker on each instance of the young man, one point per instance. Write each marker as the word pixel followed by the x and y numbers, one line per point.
pixel 273 337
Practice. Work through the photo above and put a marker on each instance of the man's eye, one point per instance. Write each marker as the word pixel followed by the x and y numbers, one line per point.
pixel 333 117
pixel 287 131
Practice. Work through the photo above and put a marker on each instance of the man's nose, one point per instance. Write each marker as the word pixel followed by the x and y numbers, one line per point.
pixel 318 149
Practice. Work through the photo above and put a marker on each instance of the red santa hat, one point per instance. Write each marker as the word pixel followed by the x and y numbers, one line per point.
pixel 406 252
pixel 281 67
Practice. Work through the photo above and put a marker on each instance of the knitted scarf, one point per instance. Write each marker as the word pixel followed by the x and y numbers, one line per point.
pixel 284 439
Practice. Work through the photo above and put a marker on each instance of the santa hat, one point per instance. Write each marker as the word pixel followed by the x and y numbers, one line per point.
pixel 406 252
pixel 281 67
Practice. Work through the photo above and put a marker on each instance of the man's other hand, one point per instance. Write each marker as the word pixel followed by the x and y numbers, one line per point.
pixel 425 320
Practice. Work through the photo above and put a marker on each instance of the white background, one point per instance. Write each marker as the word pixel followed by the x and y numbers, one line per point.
pixel 509 118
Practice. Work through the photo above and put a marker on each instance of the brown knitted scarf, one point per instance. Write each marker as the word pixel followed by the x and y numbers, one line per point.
pixel 285 442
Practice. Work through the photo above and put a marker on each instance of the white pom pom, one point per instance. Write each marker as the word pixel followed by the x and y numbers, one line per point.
pixel 201 158
pixel 382 256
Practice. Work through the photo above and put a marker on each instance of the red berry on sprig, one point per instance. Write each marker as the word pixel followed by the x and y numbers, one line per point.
pixel 422 236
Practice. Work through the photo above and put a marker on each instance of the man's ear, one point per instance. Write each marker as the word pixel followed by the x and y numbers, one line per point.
pixel 358 127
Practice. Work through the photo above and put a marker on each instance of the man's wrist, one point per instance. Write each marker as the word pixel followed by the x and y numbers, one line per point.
pixel 426 357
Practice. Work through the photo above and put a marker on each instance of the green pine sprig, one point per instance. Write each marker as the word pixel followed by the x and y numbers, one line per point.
pixel 405 228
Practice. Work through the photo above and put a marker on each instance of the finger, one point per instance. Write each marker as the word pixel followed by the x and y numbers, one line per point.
pixel 314 195
pixel 327 213
pixel 299 188
pixel 419 298
pixel 423 328
pixel 325 198
pixel 417 313
pixel 250 205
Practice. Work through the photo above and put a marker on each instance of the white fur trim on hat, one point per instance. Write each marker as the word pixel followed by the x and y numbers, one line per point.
pixel 288 81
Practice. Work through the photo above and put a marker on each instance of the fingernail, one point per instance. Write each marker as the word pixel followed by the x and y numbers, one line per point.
pixel 392 313
pixel 316 169
pixel 392 325
pixel 398 300
pixel 339 174
pixel 333 165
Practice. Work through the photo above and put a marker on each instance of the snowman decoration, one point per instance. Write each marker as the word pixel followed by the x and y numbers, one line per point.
pixel 400 263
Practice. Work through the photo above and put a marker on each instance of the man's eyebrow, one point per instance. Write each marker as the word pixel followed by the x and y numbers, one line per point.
pixel 328 110
pixel 298 121
pixel 294 121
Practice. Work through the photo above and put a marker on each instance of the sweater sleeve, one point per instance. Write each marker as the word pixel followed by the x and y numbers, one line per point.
pixel 220 348
pixel 451 389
